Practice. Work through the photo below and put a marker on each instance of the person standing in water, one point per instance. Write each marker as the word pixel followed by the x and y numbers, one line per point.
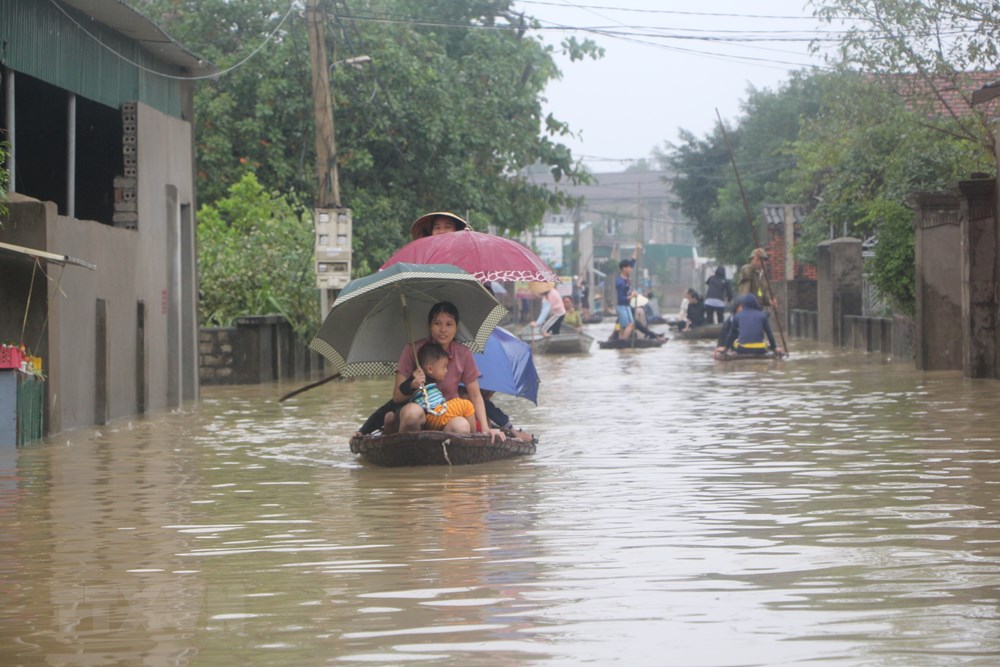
pixel 720 292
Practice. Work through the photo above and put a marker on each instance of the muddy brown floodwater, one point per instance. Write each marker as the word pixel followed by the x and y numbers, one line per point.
pixel 829 510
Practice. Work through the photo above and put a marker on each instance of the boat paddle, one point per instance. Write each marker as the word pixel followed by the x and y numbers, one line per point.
pixel 309 386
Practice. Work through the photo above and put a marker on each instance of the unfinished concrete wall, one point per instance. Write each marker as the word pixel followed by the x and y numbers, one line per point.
pixel 838 287
pixel 938 322
pixel 980 272
pixel 122 339
pixel 69 344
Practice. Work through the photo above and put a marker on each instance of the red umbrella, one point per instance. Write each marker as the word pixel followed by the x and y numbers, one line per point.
pixel 485 256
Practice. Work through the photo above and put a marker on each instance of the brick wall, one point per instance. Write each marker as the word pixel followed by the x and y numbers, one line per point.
pixel 775 248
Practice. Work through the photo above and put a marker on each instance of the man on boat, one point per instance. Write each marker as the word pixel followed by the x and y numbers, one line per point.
pixel 623 287
pixel 752 279
pixel 750 331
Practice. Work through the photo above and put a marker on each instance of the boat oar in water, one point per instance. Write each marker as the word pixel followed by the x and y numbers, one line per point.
pixel 309 386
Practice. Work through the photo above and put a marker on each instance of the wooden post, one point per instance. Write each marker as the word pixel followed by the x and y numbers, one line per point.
pixel 328 194
pixel 789 243
pixel 328 182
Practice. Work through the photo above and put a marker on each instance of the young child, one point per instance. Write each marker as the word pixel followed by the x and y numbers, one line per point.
pixel 433 361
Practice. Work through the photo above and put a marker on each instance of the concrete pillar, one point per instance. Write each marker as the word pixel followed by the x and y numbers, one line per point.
pixel 838 287
pixel 937 326
pixel 979 278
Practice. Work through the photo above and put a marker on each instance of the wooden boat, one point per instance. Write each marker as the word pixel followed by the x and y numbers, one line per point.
pixel 637 342
pixel 575 342
pixel 434 448
pixel 730 355
pixel 704 332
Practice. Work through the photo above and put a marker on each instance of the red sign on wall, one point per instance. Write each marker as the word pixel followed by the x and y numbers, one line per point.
pixel 163 302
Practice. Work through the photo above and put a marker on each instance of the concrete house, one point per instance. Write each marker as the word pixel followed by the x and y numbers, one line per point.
pixel 96 109
pixel 617 211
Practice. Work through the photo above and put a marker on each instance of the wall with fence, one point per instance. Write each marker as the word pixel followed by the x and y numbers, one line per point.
pixel 889 336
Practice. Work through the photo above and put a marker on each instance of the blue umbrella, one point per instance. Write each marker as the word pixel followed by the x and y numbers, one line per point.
pixel 506 365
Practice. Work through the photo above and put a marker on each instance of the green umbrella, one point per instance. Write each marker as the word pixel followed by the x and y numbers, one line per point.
pixel 375 316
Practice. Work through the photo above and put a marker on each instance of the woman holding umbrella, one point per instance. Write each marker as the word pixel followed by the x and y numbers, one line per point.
pixel 442 324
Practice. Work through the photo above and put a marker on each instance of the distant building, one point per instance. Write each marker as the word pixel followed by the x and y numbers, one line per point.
pixel 619 211
pixel 96 105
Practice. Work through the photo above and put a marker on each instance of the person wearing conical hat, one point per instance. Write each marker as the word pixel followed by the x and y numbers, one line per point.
pixel 553 311
pixel 433 224
pixel 438 222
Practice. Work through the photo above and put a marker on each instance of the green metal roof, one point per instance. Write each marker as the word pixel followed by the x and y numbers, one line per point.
pixel 661 252
pixel 99 49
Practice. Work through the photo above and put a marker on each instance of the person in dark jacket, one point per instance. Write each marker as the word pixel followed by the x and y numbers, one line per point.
pixel 727 326
pixel 692 313
pixel 750 332
pixel 720 292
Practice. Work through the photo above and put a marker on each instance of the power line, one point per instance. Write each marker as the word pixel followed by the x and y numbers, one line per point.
pixel 125 58
pixel 666 11
pixel 764 62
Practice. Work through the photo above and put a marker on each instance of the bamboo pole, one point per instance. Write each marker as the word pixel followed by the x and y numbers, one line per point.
pixel 753 232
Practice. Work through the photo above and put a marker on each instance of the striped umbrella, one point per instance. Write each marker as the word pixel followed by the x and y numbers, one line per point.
pixel 374 317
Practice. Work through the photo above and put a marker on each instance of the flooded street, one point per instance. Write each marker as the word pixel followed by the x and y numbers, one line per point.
pixel 832 509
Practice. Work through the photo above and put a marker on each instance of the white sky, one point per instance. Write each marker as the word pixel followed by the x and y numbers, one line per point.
pixel 646 88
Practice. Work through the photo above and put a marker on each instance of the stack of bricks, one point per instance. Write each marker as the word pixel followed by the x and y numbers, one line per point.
pixel 126 211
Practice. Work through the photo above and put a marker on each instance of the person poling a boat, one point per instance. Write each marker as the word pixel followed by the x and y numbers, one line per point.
pixel 625 293
pixel 750 331
pixel 553 311
pixel 442 323
pixel 752 280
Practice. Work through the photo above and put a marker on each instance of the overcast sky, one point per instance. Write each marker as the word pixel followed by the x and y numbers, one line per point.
pixel 651 82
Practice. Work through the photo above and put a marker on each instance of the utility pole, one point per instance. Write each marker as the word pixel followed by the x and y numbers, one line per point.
pixel 333 223
pixel 639 256
pixel 328 193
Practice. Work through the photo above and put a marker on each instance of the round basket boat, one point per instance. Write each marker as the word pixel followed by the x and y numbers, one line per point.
pixel 636 342
pixel 435 448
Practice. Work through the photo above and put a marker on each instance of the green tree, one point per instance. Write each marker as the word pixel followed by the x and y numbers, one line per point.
pixel 925 52
pixel 255 257
pixel 705 181
pixel 445 116
pixel 930 136
pixel 858 160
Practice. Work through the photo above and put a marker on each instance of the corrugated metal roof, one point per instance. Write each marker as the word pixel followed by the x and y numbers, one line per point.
pixel 121 18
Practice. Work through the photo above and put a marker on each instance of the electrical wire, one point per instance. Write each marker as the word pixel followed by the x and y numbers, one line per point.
pixel 139 66
pixel 664 11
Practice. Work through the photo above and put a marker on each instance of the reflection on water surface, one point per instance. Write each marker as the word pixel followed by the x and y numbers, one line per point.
pixel 827 510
